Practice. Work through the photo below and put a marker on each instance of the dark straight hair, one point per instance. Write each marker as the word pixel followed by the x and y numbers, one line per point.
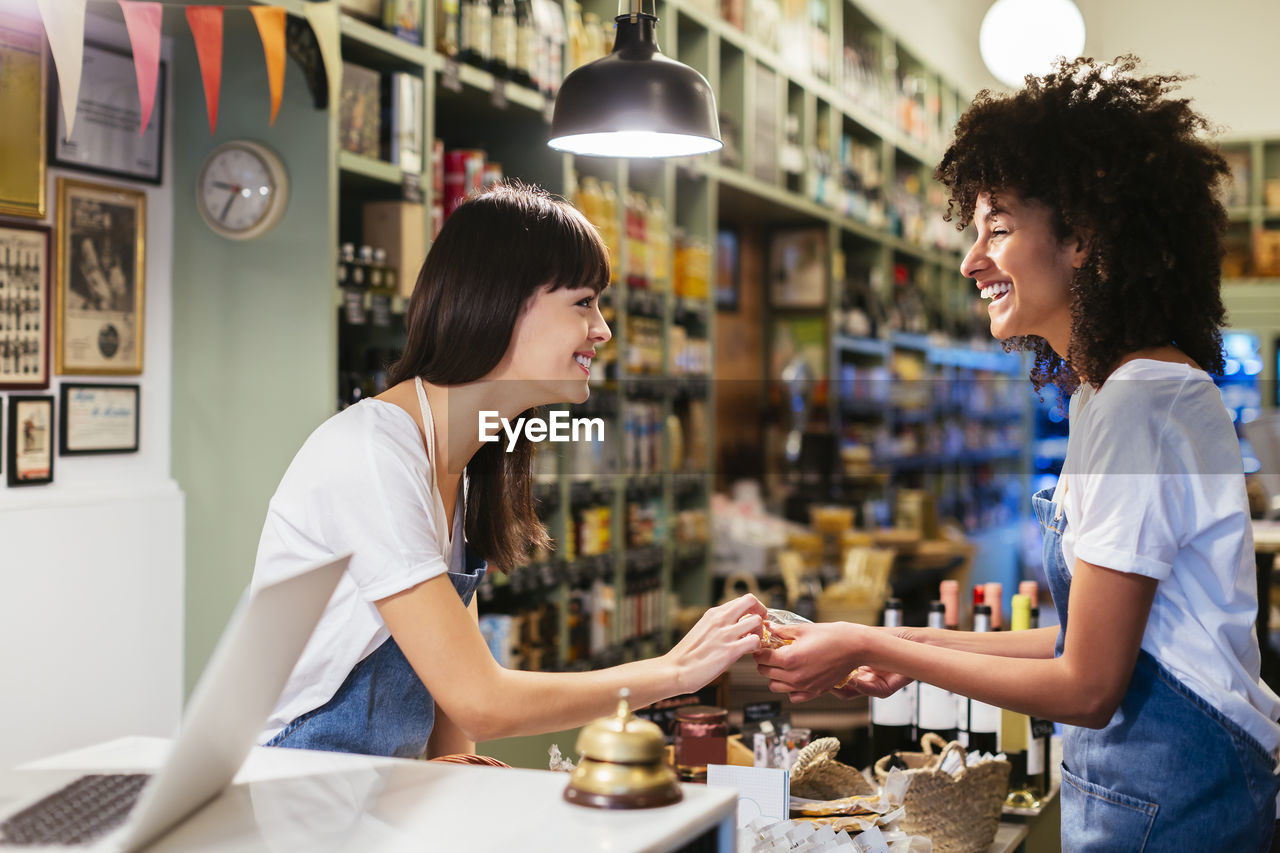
pixel 494 252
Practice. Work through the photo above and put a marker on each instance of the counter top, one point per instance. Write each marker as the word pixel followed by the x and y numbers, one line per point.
pixel 285 799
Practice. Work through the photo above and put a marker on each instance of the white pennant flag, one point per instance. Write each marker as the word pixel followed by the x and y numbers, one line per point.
pixel 64 24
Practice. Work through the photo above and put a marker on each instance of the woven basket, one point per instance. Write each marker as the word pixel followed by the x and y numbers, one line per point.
pixel 960 813
pixel 818 776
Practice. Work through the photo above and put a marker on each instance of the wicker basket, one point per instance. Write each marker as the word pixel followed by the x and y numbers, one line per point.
pixel 960 813
pixel 818 776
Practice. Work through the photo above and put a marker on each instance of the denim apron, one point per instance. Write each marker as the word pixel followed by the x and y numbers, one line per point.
pixel 1170 771
pixel 383 708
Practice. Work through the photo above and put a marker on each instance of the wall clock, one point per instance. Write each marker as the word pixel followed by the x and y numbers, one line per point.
pixel 243 190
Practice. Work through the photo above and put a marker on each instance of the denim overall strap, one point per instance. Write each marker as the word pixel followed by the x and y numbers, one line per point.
pixel 1053 522
pixel 1169 771
pixel 382 708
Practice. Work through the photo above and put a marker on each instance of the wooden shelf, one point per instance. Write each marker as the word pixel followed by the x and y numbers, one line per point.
pixel 365 44
pixel 369 169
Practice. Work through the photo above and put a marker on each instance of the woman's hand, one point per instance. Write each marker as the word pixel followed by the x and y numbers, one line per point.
pixel 723 634
pixel 870 681
pixel 819 656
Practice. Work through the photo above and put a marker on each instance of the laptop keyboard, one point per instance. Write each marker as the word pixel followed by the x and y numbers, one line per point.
pixel 83 811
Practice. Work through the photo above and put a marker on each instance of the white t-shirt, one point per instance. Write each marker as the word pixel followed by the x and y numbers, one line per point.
pixel 360 484
pixel 1153 484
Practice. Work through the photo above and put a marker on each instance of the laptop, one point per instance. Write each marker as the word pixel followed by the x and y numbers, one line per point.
pixel 239 687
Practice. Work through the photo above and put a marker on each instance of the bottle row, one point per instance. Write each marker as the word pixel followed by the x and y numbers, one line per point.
pixel 518 40
pixel 602 620
pixel 900 720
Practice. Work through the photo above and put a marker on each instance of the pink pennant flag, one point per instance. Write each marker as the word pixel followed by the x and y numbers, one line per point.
pixel 143 21
pixel 206 30
pixel 64 24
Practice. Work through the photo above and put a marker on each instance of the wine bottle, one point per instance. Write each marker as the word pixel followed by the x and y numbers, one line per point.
pixel 502 57
pixel 526 44
pixel 984 719
pixel 1022 741
pixel 936 709
pixel 893 717
pixel 949 594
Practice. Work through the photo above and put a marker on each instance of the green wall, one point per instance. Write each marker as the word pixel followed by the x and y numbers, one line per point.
pixel 254 325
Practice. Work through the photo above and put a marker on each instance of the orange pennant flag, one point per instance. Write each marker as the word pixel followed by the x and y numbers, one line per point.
pixel 270 21
pixel 143 20
pixel 206 29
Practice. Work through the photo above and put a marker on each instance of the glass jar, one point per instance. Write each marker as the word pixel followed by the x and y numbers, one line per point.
pixel 702 738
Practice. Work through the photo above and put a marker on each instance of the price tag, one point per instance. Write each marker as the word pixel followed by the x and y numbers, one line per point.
pixel 499 96
pixel 449 76
pixel 411 187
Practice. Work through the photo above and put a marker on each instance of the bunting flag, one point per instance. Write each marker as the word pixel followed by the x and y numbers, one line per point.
pixel 323 18
pixel 206 29
pixel 64 24
pixel 143 20
pixel 271 21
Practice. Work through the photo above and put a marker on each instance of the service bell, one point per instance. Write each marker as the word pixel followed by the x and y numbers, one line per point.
pixel 623 765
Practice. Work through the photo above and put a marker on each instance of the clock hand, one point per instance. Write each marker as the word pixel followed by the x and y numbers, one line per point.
pixel 222 185
pixel 222 217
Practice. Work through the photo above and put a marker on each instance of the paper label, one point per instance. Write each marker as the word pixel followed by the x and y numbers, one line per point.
pixel 896 710
pixel 937 708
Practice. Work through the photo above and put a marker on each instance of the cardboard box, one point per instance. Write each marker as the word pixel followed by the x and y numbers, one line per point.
pixel 400 228
pixel 1266 253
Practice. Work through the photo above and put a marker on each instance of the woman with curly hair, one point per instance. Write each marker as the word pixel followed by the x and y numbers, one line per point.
pixel 1099 249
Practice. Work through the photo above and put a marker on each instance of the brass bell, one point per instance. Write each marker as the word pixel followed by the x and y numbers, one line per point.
pixel 623 764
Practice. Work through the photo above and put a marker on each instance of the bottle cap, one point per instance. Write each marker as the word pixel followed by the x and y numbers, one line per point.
pixel 1031 589
pixel 994 595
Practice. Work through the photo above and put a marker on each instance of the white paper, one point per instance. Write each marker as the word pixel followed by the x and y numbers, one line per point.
pixel 763 792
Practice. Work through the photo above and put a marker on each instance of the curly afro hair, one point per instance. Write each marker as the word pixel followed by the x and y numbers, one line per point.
pixel 1119 160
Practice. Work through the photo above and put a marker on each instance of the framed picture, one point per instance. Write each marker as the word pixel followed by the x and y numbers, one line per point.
pixel 798 268
pixel 97 419
pixel 727 283
pixel 30 455
pixel 798 336
pixel 24 306
pixel 22 103
pixel 106 140
pixel 101 248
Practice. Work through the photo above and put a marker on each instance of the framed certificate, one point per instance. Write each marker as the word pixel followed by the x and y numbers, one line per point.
pixel 98 419
pixel 22 103
pixel 101 247
pixel 24 306
pixel 30 456
pixel 108 115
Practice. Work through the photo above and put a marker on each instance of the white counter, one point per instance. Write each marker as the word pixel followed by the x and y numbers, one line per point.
pixel 287 800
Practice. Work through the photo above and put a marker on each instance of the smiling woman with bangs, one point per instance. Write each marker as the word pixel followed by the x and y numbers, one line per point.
pixel 504 318
pixel 1098 248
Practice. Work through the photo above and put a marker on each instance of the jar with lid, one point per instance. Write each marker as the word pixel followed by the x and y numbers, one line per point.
pixel 702 738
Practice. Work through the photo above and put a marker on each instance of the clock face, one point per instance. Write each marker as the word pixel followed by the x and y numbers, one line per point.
pixel 242 190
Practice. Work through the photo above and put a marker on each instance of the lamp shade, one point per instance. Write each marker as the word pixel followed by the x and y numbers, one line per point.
pixel 635 102
pixel 1021 37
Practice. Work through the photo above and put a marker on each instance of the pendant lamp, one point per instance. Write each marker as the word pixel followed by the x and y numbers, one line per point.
pixel 635 102
pixel 1021 37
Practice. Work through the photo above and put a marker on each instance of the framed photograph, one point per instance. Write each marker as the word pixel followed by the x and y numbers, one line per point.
pixel 727 283
pixel 101 248
pixel 798 268
pixel 22 103
pixel 30 455
pixel 106 140
pixel 798 336
pixel 24 306
pixel 97 419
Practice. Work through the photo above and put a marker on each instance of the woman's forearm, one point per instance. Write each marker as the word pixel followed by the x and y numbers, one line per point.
pixel 1036 643
pixel 1051 688
pixel 530 703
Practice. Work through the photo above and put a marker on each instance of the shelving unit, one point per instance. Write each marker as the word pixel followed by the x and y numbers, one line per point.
pixel 1253 209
